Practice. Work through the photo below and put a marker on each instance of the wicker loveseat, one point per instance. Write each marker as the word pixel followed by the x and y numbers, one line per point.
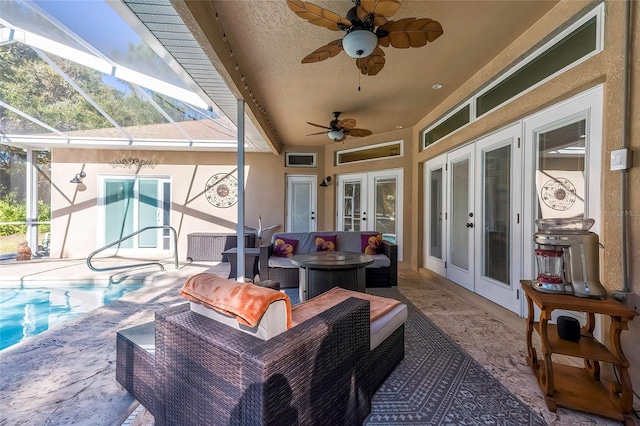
pixel 193 370
pixel 383 272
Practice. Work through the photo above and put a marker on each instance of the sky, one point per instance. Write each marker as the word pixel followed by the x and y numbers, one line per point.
pixel 95 21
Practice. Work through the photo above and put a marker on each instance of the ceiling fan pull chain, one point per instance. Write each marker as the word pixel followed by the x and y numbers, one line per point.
pixel 358 82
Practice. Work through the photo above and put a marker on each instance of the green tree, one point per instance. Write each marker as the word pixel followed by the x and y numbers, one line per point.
pixel 31 85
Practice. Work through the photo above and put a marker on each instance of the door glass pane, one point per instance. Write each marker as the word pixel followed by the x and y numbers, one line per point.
pixel 460 210
pixel 497 207
pixel 560 172
pixel 118 211
pixel 351 219
pixel 301 192
pixel 385 208
pixel 435 216
pixel 148 213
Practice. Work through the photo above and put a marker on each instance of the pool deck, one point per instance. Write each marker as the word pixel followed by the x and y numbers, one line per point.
pixel 66 375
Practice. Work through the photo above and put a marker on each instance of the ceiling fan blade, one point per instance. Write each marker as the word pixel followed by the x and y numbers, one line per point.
pixel 319 125
pixel 359 132
pixel 384 8
pixel 319 133
pixel 410 32
pixel 377 19
pixel 346 124
pixel 317 15
pixel 372 64
pixel 325 52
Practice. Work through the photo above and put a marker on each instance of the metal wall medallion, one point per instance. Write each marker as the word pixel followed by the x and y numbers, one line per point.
pixel 127 163
pixel 221 190
pixel 559 194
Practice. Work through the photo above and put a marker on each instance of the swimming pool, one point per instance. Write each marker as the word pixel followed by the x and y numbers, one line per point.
pixel 25 312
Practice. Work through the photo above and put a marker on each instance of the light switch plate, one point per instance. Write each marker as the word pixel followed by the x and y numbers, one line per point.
pixel 621 159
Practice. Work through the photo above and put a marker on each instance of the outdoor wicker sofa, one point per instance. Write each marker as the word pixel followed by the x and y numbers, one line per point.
pixel 199 371
pixel 383 272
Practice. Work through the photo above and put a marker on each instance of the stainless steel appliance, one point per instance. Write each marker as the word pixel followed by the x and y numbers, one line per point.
pixel 567 258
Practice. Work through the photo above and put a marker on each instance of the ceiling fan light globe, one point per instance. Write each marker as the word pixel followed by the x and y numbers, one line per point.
pixel 359 43
pixel 335 135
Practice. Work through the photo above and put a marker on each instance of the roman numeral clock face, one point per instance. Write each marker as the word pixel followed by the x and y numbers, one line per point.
pixel 221 190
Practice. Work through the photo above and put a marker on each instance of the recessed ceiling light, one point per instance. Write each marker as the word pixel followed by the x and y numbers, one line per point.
pixel 398 127
pixel 436 86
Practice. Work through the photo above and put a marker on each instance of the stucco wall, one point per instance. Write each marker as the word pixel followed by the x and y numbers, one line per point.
pixel 76 230
pixel 605 68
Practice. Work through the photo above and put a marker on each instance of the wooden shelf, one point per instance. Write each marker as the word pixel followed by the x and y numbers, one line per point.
pixel 586 345
pixel 580 388
pixel 576 389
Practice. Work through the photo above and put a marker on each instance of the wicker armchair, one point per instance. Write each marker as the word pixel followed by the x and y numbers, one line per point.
pixel 319 372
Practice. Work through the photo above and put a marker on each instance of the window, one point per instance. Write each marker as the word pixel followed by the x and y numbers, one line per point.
pixel 300 159
pixel 578 44
pixel 368 153
pixel 570 47
pixel 448 126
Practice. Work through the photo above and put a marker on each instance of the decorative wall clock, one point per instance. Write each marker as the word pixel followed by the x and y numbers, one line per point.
pixel 221 190
pixel 558 193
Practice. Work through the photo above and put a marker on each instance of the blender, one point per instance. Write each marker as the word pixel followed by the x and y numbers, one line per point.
pixel 567 258
pixel 550 271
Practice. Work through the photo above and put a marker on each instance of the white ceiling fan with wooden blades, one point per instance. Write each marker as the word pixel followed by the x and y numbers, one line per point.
pixel 338 130
pixel 367 29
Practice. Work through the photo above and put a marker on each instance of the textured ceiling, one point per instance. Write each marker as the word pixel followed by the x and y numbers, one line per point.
pixel 268 41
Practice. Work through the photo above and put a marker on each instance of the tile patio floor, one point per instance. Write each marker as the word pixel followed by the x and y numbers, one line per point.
pixel 66 376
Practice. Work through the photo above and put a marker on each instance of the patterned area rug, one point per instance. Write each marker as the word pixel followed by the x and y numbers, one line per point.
pixel 438 383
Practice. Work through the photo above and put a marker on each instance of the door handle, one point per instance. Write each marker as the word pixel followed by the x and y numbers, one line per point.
pixel 469 225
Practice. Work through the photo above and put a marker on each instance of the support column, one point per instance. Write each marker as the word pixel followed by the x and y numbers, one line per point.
pixel 31 172
pixel 240 226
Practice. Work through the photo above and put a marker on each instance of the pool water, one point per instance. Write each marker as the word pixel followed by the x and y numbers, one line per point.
pixel 26 312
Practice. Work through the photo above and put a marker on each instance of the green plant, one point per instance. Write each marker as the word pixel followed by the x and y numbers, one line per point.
pixel 44 215
pixel 12 211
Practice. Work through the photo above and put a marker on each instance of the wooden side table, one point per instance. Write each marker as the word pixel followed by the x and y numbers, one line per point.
pixel 574 387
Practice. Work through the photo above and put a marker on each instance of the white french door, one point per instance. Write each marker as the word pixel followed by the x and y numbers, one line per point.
pixel 301 203
pixel 498 229
pixel 472 217
pixel 563 176
pixel 435 214
pixel 372 202
pixel 493 190
pixel 352 202
pixel 461 220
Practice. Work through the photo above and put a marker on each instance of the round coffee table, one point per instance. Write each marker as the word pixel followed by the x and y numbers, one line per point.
pixel 321 271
